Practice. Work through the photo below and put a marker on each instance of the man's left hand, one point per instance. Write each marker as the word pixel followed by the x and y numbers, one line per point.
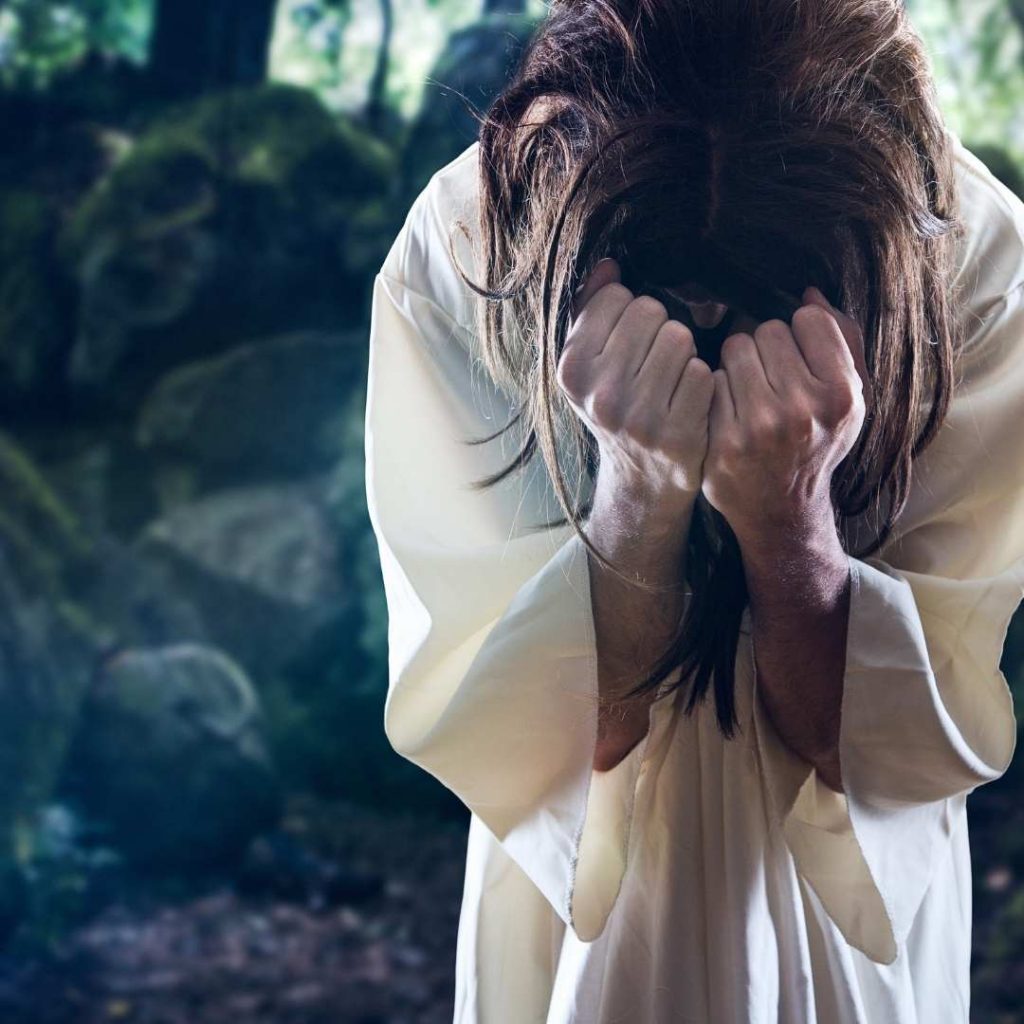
pixel 789 403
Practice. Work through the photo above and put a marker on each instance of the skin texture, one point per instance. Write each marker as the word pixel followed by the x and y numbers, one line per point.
pixel 634 378
pixel 788 407
pixel 760 437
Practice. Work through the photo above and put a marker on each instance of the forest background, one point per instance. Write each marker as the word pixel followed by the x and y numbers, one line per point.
pixel 201 819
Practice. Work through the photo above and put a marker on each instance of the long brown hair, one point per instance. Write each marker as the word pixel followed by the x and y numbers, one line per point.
pixel 798 141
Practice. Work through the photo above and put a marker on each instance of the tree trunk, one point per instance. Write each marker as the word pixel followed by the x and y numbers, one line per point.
pixel 199 45
pixel 378 84
pixel 1017 12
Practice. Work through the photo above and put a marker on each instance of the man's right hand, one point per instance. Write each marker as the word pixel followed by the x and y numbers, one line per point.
pixel 634 377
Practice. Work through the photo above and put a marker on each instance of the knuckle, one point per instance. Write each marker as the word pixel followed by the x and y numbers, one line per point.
pixel 771 328
pixel 698 369
pixel 605 405
pixel 650 307
pixel 617 292
pixel 679 335
pixel 762 427
pixel 728 451
pixel 567 373
pixel 778 430
pixel 733 345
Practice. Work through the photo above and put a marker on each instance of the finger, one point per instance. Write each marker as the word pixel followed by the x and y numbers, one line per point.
pixel 692 391
pixel 633 335
pixel 783 363
pixel 605 271
pixel 822 343
pixel 723 408
pixel 589 333
pixel 666 361
pixel 748 384
pixel 852 332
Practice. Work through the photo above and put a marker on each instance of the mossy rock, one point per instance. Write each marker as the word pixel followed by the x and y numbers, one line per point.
pixel 47 655
pixel 277 135
pixel 270 408
pixel 230 219
pixel 171 756
pixel 162 183
pixel 46 658
pixel 49 549
pixel 260 563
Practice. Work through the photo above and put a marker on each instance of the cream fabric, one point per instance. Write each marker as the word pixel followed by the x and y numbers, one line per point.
pixel 700 880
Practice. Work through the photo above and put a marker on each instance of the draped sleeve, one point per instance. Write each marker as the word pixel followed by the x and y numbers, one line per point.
pixel 927 715
pixel 491 647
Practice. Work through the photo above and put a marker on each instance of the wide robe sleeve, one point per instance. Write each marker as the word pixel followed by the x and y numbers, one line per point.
pixel 927 715
pixel 492 656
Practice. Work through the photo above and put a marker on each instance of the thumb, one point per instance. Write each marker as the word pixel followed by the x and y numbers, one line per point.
pixel 815 295
pixel 851 332
pixel 605 271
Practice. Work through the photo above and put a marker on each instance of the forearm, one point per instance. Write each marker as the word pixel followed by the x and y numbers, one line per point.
pixel 799 591
pixel 633 626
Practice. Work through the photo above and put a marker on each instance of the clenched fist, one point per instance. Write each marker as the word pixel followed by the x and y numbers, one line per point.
pixel 634 377
pixel 789 404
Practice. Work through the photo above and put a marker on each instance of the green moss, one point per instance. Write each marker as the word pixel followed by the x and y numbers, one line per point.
pixel 264 134
pixel 45 537
pixel 277 136
pixel 162 183
pixel 77 619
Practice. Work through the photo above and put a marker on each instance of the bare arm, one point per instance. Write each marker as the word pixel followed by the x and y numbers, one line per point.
pixel 789 405
pixel 799 585
pixel 633 626
pixel 633 376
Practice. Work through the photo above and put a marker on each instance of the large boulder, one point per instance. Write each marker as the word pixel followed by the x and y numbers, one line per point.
pixel 261 564
pixel 47 653
pixel 136 599
pixel 171 757
pixel 270 408
pixel 243 214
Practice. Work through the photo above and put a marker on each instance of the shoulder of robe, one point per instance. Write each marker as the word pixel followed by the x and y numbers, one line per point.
pixel 990 257
pixel 420 258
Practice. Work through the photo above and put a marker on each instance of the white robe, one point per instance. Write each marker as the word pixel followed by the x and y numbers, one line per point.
pixel 700 880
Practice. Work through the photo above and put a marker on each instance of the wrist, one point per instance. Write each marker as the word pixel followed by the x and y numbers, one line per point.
pixel 636 529
pixel 638 509
pixel 808 559
pixel 808 526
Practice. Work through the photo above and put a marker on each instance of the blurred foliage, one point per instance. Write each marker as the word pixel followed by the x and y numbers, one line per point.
pixel 977 52
pixel 38 38
pixel 68 871
pixel 184 293
pixel 331 47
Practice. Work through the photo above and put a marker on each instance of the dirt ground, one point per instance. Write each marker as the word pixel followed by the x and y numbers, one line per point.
pixel 223 956
pixel 381 954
